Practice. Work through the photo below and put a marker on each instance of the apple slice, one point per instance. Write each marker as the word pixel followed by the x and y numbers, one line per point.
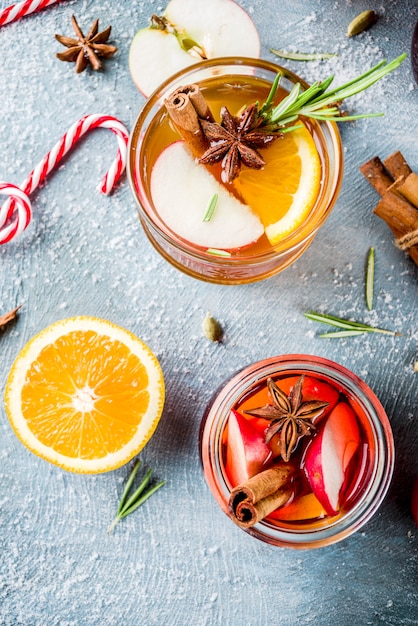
pixel 246 452
pixel 187 32
pixel 182 189
pixel 329 454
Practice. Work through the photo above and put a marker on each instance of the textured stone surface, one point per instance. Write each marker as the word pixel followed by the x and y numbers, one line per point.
pixel 179 560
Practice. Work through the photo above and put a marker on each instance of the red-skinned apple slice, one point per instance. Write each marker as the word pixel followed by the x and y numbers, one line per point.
pixel 246 452
pixel 218 27
pixel 182 190
pixel 329 454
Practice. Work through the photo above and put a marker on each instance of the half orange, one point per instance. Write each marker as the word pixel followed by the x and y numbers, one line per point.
pixel 85 394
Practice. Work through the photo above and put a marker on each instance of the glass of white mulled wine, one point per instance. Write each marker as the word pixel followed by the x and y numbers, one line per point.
pixel 207 224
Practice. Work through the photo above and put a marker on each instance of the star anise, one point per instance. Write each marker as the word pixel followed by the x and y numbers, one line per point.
pixel 289 416
pixel 235 140
pixel 8 317
pixel 85 50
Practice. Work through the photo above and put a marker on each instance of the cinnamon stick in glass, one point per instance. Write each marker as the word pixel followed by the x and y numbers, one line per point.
pixel 254 500
pixel 186 107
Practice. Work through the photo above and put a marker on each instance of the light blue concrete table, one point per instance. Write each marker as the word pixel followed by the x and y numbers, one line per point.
pixel 179 560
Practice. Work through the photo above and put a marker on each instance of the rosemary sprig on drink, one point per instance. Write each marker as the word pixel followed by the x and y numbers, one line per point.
pixel 348 327
pixel 127 504
pixel 319 101
pixel 211 208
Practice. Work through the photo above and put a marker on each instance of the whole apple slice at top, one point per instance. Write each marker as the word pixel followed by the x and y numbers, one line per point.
pixel 217 27
pixel 181 191
pixel 246 452
pixel 328 455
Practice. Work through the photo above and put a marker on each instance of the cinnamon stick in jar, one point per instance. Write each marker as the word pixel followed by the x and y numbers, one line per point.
pixel 186 106
pixel 254 500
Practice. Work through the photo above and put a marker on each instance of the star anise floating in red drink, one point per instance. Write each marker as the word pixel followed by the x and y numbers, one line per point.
pixel 289 416
pixel 235 140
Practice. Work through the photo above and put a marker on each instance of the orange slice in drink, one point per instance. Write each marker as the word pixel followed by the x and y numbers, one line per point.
pixel 283 193
pixel 85 394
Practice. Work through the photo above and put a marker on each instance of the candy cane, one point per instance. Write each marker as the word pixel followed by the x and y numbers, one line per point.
pixel 15 214
pixel 16 11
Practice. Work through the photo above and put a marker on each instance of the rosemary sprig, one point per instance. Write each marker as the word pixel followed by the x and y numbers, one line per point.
pixel 370 279
pixel 216 252
pixel 318 101
pixel 127 504
pixel 349 328
pixel 302 56
pixel 211 208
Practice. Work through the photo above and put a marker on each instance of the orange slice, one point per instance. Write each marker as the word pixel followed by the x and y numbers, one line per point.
pixel 283 193
pixel 85 394
pixel 303 508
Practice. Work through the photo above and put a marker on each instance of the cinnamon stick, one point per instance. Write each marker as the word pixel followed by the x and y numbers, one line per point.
pixel 409 188
pixel 398 186
pixel 397 166
pixel 402 218
pixel 398 213
pixel 186 106
pixel 376 174
pixel 260 495
pixel 199 102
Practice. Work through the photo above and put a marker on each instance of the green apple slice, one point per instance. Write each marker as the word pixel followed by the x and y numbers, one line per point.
pixel 181 191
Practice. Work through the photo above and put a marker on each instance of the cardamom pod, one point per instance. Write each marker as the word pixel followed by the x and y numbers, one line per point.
pixel 362 22
pixel 212 328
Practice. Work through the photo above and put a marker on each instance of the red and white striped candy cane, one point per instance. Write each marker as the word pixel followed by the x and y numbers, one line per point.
pixel 23 207
pixel 16 11
pixel 15 214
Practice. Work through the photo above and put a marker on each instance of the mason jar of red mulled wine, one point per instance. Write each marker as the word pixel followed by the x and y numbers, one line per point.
pixel 338 470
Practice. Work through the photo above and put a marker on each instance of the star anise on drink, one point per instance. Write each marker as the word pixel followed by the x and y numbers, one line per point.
pixel 85 50
pixel 289 416
pixel 235 140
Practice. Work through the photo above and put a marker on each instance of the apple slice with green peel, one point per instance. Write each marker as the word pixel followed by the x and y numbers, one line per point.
pixel 187 32
pixel 182 190
pixel 246 452
pixel 329 454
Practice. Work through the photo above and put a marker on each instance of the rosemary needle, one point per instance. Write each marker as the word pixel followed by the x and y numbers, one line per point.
pixel 128 485
pixel 301 56
pixel 350 328
pixel 370 279
pixel 129 505
pixel 211 208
